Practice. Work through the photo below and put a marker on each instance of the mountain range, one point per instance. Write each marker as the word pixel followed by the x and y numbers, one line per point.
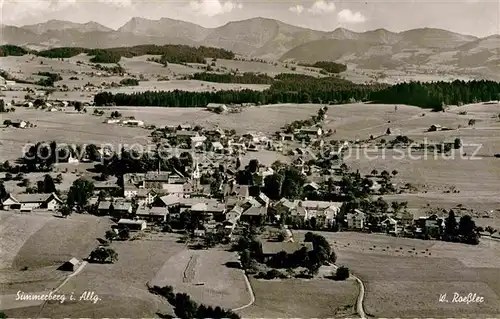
pixel 273 39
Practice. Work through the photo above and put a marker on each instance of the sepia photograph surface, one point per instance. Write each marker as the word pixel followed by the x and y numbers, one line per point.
pixel 249 159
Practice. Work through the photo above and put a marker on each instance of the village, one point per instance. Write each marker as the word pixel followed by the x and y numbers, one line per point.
pixel 137 185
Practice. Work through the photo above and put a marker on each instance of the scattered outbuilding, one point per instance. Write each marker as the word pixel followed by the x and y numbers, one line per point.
pixel 70 265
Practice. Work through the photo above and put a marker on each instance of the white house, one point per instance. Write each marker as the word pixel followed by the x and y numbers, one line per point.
pixel 356 220
pixel 216 107
pixel 217 146
pixel 197 140
pixel 133 123
pixel 132 224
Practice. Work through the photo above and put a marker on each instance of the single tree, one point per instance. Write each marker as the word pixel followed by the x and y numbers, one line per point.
pixel 450 225
pixel 342 273
pixel 110 235
pixel 3 191
pixel 65 210
pixel 48 184
pixel 79 193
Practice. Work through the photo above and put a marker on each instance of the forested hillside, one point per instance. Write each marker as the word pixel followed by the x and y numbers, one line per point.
pixel 169 53
pixel 291 88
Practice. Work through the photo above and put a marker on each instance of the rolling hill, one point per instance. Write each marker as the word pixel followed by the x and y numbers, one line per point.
pixel 273 39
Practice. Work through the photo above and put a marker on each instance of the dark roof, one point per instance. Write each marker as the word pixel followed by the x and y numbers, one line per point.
pixel 34 198
pixel 255 211
pixel 271 248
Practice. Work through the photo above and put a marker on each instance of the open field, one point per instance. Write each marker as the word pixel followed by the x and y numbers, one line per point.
pixel 405 277
pixel 64 128
pixel 268 118
pixel 186 85
pixel 296 298
pixel 35 245
pixel 222 286
pixel 120 286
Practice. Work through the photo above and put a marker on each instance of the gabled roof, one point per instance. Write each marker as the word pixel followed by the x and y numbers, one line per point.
pixel 217 145
pixel 255 211
pixel 173 188
pixel 33 198
pixel 237 209
pixel 74 261
pixel 104 205
pixel 122 205
pixel 169 200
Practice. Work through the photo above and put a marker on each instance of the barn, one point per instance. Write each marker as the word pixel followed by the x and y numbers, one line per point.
pixel 70 265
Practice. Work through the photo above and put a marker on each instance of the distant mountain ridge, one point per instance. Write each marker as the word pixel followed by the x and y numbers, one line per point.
pixel 273 39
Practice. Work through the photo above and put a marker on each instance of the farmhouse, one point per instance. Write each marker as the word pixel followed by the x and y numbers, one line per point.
pixel 313 131
pixel 31 201
pixel 197 140
pixel 216 107
pixel 286 137
pixel 19 124
pixel 217 146
pixel 215 133
pixel 435 128
pixel 118 208
pixel 254 215
pixel 131 224
pixel 213 210
pixel 270 249
pixel 234 214
pixel 356 220
pixel 133 123
pixel 155 214
pixel 70 265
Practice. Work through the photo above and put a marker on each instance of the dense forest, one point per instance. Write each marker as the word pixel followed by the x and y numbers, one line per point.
pixel 245 78
pixel 7 49
pixel 169 53
pixel 435 95
pixel 287 88
pixel 328 66
pixel 104 56
pixel 301 89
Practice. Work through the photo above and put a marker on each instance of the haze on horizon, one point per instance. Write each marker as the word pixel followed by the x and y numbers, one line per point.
pixel 474 17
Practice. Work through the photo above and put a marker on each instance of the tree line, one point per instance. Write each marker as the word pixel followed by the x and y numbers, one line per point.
pixel 169 52
pixel 328 66
pixel 437 95
pixel 13 50
pixel 245 78
pixel 186 308
pixel 294 88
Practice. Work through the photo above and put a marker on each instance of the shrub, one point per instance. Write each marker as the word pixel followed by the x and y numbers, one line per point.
pixel 342 273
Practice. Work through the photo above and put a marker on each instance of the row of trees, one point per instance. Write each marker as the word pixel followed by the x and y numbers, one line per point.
pixel 245 78
pixel 294 88
pixel 463 231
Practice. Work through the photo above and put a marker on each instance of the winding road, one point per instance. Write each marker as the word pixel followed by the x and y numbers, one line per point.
pixel 361 296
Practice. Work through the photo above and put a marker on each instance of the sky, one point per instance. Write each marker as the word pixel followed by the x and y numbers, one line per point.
pixel 475 17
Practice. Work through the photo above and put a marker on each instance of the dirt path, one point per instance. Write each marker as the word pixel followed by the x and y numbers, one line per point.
pixel 76 272
pixel 361 296
pixel 252 295
pixel 189 273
